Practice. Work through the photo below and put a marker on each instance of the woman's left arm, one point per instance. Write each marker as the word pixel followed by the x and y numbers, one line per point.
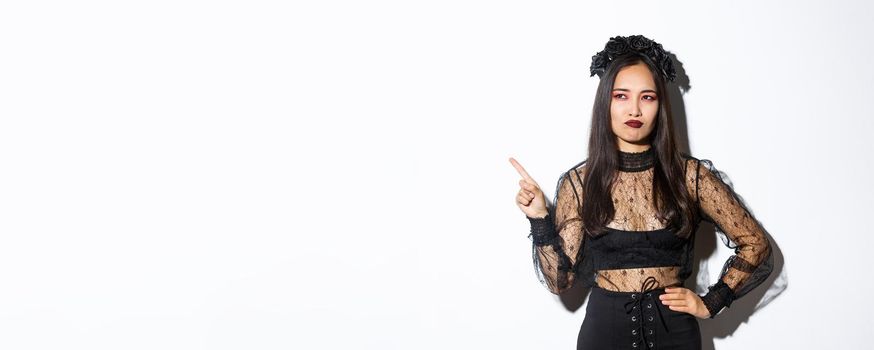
pixel 752 262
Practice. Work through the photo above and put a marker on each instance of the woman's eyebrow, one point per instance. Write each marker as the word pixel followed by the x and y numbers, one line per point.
pixel 646 90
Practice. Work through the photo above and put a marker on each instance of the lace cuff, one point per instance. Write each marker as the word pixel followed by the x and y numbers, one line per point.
pixel 542 230
pixel 718 296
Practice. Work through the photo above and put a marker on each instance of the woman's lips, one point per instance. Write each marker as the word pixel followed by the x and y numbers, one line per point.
pixel 634 123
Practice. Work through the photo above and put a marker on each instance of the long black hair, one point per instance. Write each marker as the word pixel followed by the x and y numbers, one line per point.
pixel 670 196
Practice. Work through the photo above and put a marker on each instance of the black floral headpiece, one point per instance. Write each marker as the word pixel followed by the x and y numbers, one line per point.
pixel 620 45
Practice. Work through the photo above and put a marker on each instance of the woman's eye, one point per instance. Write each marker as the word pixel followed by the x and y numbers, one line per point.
pixel 646 97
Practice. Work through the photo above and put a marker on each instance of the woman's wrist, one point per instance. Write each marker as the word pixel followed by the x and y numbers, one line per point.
pixel 542 230
pixel 538 215
pixel 718 297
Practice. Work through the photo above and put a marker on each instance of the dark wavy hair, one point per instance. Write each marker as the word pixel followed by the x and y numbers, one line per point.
pixel 670 195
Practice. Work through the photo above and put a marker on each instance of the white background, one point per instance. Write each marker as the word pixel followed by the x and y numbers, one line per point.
pixel 325 175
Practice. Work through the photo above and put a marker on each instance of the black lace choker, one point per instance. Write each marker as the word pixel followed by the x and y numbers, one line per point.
pixel 636 161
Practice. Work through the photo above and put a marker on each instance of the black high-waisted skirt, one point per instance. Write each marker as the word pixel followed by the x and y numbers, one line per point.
pixel 634 320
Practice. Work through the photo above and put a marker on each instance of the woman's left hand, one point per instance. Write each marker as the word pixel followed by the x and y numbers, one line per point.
pixel 684 300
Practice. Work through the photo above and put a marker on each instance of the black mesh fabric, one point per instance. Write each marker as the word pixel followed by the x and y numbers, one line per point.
pixel 638 245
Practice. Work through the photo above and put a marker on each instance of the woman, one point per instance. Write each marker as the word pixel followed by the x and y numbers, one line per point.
pixel 623 220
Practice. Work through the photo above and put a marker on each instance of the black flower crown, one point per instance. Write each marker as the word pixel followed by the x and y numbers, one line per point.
pixel 620 45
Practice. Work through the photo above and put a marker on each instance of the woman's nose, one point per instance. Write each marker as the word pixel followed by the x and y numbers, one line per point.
pixel 635 109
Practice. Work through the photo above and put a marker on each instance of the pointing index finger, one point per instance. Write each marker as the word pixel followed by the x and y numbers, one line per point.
pixel 521 170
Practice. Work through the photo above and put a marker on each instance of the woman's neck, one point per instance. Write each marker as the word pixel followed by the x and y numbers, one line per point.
pixel 636 161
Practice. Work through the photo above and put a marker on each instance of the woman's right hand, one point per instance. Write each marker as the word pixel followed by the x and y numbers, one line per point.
pixel 530 198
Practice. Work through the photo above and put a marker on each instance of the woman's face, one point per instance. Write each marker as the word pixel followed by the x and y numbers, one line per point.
pixel 633 107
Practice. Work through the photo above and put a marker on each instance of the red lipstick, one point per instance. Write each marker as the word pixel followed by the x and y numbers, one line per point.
pixel 634 123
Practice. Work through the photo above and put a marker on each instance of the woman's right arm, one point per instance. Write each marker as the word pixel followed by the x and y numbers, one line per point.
pixel 557 237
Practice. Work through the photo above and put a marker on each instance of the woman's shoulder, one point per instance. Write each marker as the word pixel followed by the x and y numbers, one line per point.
pixel 700 170
pixel 575 174
pixel 699 163
pixel 577 169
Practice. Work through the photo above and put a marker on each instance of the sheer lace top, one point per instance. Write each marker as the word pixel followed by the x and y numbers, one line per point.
pixel 637 244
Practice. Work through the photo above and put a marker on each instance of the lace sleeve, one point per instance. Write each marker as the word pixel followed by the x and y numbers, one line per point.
pixel 557 238
pixel 752 262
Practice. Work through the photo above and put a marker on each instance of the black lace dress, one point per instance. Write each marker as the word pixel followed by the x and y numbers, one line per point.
pixel 630 265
